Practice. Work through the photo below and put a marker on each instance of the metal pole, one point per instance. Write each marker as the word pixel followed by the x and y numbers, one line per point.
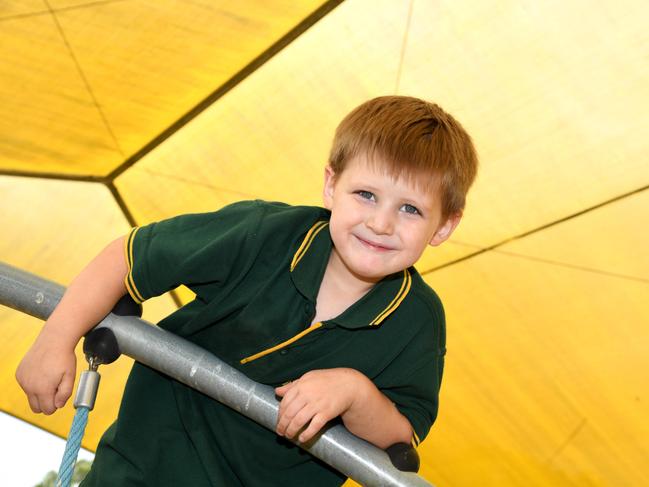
pixel 199 369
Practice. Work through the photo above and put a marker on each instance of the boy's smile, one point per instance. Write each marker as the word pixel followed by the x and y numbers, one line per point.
pixel 380 225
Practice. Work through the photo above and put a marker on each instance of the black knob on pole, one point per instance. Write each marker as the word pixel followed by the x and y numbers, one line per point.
pixel 404 457
pixel 100 344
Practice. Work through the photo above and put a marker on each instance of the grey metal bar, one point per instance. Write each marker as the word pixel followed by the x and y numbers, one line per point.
pixel 197 368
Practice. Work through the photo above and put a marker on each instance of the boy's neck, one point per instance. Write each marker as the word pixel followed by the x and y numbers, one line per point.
pixel 340 288
pixel 344 279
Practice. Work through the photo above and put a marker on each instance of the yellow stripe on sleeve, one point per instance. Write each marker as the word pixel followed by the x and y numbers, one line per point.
pixel 415 438
pixel 128 280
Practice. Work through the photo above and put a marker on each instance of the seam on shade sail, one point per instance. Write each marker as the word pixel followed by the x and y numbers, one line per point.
pixel 53 175
pixel 535 230
pixel 571 266
pixel 85 81
pixel 404 45
pixel 60 9
pixel 202 184
pixel 237 78
pixel 573 434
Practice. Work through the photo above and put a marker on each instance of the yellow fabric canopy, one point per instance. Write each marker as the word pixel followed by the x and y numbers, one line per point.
pixel 118 113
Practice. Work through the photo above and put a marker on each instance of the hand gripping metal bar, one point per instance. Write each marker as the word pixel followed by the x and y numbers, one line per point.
pixel 197 368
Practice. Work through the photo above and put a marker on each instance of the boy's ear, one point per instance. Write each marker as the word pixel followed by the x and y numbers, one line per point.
pixel 328 189
pixel 445 231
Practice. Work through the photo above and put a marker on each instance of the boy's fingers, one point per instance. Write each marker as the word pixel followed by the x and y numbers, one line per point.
pixel 288 400
pixel 283 420
pixel 288 410
pixel 317 422
pixel 33 403
pixel 64 391
pixel 45 397
pixel 46 403
pixel 281 390
pixel 299 420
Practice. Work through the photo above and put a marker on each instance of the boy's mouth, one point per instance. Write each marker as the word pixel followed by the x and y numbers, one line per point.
pixel 373 245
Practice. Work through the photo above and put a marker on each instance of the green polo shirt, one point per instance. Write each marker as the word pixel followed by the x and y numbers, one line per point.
pixel 256 268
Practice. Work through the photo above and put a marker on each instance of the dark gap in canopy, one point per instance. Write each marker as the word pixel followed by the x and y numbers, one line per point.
pixel 53 175
pixel 122 204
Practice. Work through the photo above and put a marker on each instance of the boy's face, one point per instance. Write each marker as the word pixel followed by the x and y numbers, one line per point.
pixel 380 225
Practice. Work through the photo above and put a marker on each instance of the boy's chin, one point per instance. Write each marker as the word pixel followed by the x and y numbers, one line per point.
pixel 370 273
pixel 369 270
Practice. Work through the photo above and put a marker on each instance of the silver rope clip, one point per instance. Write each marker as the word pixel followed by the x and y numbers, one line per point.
pixel 88 386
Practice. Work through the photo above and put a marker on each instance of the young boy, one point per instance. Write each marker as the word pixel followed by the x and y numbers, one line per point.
pixel 323 304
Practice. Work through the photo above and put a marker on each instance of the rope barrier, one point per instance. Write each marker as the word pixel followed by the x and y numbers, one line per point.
pixel 72 447
pixel 84 401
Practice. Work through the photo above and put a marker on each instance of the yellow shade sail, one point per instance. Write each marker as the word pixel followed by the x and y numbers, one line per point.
pixel 546 280
pixel 53 229
pixel 87 84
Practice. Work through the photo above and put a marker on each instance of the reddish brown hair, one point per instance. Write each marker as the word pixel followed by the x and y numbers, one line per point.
pixel 417 139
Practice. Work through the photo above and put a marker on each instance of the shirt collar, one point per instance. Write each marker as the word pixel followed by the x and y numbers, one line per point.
pixel 307 270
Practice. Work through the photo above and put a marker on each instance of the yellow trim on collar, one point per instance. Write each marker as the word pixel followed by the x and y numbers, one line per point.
pixel 128 280
pixel 403 292
pixel 308 240
pixel 313 327
pixel 396 301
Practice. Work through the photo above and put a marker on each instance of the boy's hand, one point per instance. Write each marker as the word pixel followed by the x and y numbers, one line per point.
pixel 46 373
pixel 316 397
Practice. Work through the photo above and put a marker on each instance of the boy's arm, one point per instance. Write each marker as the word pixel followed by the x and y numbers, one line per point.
pixel 46 372
pixel 321 395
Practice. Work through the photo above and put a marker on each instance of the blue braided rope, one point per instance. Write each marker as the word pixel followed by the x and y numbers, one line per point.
pixel 72 447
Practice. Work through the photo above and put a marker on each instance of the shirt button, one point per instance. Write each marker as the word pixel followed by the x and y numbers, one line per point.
pixel 283 351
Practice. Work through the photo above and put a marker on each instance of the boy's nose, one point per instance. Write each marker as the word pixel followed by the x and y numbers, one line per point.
pixel 380 222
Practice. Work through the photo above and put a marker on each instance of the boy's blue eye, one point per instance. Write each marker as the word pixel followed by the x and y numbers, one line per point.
pixel 410 209
pixel 365 194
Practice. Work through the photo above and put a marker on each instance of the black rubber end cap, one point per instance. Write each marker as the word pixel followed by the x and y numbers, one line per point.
pixel 404 457
pixel 101 344
pixel 127 307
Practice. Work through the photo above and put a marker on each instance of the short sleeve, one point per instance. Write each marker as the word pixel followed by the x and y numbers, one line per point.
pixel 412 382
pixel 194 249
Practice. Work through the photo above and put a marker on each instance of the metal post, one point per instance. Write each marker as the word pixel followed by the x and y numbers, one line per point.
pixel 199 369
